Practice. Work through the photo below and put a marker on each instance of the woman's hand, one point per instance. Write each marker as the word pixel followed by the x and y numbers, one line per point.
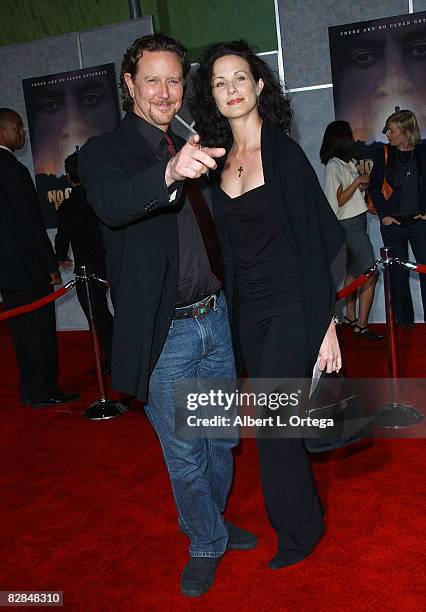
pixel 389 220
pixel 423 217
pixel 329 356
pixel 66 264
pixel 55 278
pixel 363 181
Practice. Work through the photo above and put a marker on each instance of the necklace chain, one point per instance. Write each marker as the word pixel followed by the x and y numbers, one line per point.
pixel 406 164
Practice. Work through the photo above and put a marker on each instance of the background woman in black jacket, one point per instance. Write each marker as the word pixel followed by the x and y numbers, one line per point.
pixel 278 236
pixel 402 216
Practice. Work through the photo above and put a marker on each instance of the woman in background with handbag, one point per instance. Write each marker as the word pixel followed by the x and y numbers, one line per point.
pixel 402 214
pixel 344 188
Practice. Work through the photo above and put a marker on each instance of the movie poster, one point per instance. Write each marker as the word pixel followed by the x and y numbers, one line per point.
pixel 376 66
pixel 63 111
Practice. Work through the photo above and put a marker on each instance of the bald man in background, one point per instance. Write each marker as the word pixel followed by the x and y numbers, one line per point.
pixel 28 271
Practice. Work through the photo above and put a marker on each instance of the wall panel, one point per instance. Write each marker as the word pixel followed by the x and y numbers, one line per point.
pixel 304 33
pixel 61 54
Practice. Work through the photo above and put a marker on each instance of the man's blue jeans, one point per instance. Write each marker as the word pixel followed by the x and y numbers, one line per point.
pixel 200 469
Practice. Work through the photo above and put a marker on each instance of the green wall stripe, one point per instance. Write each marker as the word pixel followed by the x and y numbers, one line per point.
pixel 198 23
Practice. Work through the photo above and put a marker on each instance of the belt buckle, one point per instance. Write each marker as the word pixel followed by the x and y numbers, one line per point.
pixel 200 311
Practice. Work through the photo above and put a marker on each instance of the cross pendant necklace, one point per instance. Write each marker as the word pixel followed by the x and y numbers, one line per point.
pixel 240 171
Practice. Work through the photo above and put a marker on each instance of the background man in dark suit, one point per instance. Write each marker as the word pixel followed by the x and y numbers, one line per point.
pixel 28 271
pixel 170 320
pixel 78 226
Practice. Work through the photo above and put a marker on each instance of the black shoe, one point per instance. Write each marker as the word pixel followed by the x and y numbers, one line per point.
pixel 198 575
pixel 406 326
pixel 366 333
pixel 349 322
pixel 281 560
pixel 285 558
pixel 55 399
pixel 240 539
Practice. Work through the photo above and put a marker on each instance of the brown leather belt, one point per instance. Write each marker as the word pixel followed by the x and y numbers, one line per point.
pixel 197 310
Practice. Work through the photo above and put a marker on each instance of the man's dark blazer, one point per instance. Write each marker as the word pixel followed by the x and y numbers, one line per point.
pixel 26 254
pixel 125 185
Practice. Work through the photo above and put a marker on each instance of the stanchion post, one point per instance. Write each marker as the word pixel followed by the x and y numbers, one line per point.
pixel 386 255
pixel 393 415
pixel 85 278
pixel 103 408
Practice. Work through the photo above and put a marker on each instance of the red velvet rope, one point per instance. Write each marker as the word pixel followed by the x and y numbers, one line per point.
pixel 413 267
pixel 14 312
pixel 421 268
pixel 343 293
pixel 358 282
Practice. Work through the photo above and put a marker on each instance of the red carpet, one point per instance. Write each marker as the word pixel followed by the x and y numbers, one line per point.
pixel 87 508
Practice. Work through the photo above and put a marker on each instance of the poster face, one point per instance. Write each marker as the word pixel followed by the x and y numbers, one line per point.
pixel 63 111
pixel 376 66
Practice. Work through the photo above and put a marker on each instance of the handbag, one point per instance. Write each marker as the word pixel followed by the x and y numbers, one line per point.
pixel 334 400
pixel 387 190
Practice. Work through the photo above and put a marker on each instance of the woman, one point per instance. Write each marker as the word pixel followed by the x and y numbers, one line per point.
pixel 278 237
pixel 402 216
pixel 344 188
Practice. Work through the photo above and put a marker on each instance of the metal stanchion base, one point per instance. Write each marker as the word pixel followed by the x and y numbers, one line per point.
pixel 396 416
pixel 105 409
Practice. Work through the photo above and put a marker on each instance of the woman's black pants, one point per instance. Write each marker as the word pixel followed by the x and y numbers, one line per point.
pixel 275 347
pixel 397 237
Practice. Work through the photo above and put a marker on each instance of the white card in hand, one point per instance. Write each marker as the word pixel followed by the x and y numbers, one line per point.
pixel 316 375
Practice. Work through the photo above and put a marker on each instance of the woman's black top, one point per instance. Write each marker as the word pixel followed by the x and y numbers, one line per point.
pixel 266 272
pixel 405 178
pixel 405 171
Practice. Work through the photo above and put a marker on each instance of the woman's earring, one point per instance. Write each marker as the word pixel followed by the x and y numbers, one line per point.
pixel 217 112
pixel 258 96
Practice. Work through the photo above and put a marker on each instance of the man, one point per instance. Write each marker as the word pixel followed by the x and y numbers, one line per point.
pixel 170 318
pixel 28 271
pixel 78 225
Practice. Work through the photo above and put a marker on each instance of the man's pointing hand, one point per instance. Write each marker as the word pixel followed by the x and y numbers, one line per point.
pixel 192 161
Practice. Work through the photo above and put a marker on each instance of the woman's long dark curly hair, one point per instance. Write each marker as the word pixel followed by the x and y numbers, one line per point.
pixel 213 128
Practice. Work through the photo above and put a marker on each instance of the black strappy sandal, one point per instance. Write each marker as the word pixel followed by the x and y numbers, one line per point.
pixel 366 332
pixel 349 322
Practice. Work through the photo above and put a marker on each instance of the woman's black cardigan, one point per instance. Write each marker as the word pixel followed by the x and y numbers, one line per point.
pixel 380 170
pixel 314 232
